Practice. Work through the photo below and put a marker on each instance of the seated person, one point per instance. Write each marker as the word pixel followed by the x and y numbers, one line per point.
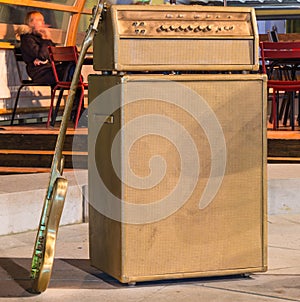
pixel 35 39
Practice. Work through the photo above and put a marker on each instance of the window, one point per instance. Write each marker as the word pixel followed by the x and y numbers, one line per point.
pixel 61 15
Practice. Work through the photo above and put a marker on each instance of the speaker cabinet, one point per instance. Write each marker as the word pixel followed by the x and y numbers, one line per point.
pixel 177 175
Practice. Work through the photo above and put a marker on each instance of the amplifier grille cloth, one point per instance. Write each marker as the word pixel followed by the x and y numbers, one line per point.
pixel 179 236
pixel 192 52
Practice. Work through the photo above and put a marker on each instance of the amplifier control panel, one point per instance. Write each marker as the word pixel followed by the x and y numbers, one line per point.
pixel 178 23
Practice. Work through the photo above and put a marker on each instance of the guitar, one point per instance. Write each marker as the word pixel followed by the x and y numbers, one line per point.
pixel 44 248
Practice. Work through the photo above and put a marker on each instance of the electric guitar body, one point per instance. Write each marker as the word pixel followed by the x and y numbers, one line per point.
pixel 43 256
pixel 44 248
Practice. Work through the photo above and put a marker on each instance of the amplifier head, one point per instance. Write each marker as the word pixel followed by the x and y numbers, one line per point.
pixel 171 37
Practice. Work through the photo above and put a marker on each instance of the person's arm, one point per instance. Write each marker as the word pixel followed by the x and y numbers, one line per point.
pixel 43 53
pixel 44 32
pixel 33 48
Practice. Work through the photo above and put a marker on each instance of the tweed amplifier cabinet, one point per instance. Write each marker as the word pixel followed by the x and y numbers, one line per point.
pixel 177 175
pixel 176 37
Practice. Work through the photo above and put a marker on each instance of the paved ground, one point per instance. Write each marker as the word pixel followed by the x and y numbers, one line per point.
pixel 73 279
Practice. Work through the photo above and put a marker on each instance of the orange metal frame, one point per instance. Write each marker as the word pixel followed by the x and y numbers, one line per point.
pixel 76 10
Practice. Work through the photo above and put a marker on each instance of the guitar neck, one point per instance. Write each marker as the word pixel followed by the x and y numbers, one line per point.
pixel 57 167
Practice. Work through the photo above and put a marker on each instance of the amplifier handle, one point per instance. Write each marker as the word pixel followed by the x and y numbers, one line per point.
pixel 99 117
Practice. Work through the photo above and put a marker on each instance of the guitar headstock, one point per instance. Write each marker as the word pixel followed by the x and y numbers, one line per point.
pixel 96 15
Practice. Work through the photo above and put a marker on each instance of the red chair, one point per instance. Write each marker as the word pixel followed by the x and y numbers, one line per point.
pixel 285 56
pixel 67 55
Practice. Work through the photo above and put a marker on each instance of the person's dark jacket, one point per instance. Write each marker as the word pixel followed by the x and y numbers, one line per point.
pixel 33 46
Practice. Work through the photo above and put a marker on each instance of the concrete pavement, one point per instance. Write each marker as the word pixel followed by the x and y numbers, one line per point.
pixel 73 279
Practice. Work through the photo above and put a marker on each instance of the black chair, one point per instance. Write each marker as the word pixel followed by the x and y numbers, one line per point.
pixel 24 83
pixel 273 36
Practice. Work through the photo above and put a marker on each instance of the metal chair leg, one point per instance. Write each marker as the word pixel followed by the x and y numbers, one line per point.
pixel 16 105
pixel 298 118
pixel 292 116
pixel 55 112
pixel 283 105
pixel 274 110
pixel 79 108
pixel 287 112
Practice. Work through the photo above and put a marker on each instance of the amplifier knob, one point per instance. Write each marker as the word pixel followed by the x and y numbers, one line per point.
pixel 198 28
pixel 143 31
pixel 142 23
pixel 180 16
pixel 181 27
pixel 172 27
pixel 208 28
pixel 137 31
pixel 162 28
pixel 231 27
pixel 226 27
pixel 134 23
pixel 190 27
